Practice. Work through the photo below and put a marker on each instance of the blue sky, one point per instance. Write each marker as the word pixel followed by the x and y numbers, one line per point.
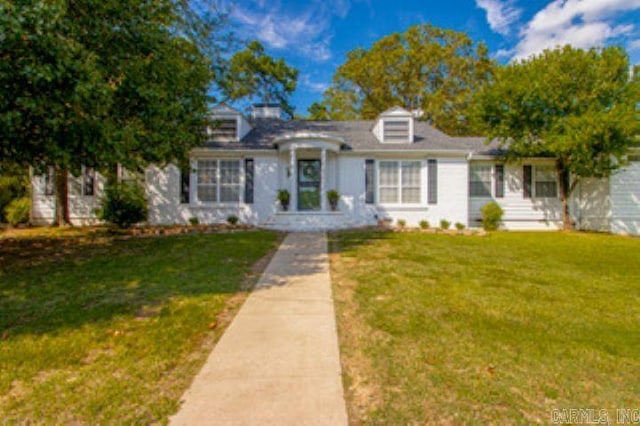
pixel 314 36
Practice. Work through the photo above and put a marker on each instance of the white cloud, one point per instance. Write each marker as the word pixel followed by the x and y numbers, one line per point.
pixel 500 14
pixel 634 45
pixel 581 23
pixel 305 31
pixel 313 86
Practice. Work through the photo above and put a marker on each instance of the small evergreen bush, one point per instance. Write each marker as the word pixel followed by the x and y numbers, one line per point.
pixel 491 216
pixel 402 223
pixel 445 224
pixel 424 224
pixel 459 226
pixel 124 204
pixel 194 221
pixel 233 219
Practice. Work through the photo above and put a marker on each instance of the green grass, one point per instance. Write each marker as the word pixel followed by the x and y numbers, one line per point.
pixel 495 329
pixel 103 330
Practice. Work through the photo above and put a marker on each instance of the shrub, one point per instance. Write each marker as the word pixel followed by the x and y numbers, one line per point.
pixel 402 223
pixel 459 226
pixel 17 211
pixel 424 224
pixel 491 216
pixel 445 224
pixel 233 219
pixel 194 221
pixel 124 204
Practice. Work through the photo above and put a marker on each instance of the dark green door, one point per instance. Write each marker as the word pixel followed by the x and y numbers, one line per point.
pixel 308 184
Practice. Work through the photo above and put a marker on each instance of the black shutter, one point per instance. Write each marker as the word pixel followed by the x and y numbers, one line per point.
pixel 526 181
pixel 185 179
pixel 248 180
pixel 432 176
pixel 499 176
pixel 369 181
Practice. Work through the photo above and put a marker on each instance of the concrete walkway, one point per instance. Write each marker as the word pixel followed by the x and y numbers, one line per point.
pixel 278 362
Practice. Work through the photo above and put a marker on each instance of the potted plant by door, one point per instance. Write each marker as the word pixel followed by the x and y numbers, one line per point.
pixel 333 196
pixel 283 197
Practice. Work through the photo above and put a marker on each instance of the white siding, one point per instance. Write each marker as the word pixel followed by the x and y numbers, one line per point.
pixel 81 207
pixel 591 206
pixel 519 212
pixel 625 200
pixel 163 193
pixel 452 193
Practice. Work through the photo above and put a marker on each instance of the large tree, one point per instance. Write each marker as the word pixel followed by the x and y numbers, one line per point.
pixel 253 74
pixel 576 106
pixel 428 68
pixel 102 82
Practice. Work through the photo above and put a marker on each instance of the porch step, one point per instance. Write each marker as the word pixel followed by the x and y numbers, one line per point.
pixel 309 221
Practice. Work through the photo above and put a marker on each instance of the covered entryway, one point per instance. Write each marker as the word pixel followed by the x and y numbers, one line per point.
pixel 305 169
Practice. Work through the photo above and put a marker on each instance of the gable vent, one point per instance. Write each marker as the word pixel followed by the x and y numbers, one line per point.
pixel 225 129
pixel 395 130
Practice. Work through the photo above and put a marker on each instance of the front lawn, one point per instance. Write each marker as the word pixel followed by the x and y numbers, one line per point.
pixel 495 329
pixel 103 330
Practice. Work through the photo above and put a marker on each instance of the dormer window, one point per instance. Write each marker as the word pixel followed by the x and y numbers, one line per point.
pixel 395 130
pixel 395 125
pixel 225 129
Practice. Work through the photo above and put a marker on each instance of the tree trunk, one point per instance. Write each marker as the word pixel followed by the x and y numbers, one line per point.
pixel 564 178
pixel 62 197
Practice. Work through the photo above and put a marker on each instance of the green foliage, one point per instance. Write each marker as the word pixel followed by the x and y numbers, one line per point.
pixel 491 216
pixel 18 211
pixel 254 74
pixel 428 68
pixel 283 196
pixel 193 221
pixel 445 224
pixel 577 106
pixel 124 204
pixel 401 223
pixel 103 83
pixel 459 226
pixel 232 219
pixel 424 224
pixel 14 184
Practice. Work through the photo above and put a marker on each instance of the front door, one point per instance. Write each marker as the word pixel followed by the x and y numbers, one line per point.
pixel 308 184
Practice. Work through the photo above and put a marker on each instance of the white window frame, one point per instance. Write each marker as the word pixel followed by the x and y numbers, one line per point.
pixel 195 183
pixel 400 184
pixel 491 167
pixel 536 171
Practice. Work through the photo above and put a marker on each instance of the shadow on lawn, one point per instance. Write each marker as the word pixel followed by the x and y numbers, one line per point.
pixel 52 284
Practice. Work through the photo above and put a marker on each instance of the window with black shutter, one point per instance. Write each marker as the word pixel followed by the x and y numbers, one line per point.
pixel 88 182
pixel 369 181
pixel 499 180
pixel 185 179
pixel 248 180
pixel 432 176
pixel 526 181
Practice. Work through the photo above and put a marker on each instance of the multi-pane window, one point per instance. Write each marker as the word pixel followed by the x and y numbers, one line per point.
pixel 208 180
pixel 395 130
pixel 399 182
pixel 229 180
pixel 47 182
pixel 546 184
pixel 218 181
pixel 480 180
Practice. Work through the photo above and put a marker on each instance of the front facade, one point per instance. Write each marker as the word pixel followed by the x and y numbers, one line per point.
pixel 393 168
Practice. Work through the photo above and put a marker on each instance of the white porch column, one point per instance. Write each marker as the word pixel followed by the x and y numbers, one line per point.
pixel 293 167
pixel 323 179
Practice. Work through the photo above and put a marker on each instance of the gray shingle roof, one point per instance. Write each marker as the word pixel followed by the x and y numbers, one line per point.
pixel 357 135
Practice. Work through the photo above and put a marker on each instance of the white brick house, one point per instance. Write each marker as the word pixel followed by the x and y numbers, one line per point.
pixel 394 168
